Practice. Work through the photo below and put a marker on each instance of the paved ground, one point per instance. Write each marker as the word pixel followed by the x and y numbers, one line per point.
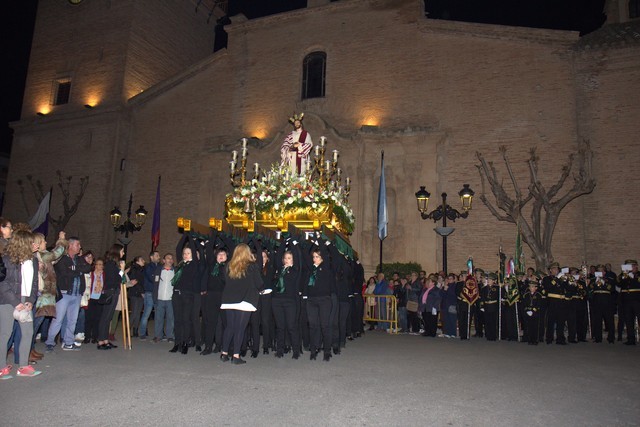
pixel 378 380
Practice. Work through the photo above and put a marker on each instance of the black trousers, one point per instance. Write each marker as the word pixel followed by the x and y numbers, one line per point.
pixel 303 319
pixel 491 324
pixel 237 322
pixel 211 317
pixel 183 308
pixel 319 314
pixel 602 310
pixel 137 303
pixel 335 328
pixel 571 321
pixel 195 324
pixel 479 322
pixel 556 319
pixel 286 321
pixel 542 321
pixel 267 325
pixel 632 312
pixel 430 323
pixel 357 324
pixel 106 316
pixel 92 319
pixel 464 318
pixel 582 324
pixel 413 321
pixel 344 310
pixel 509 323
pixel 531 324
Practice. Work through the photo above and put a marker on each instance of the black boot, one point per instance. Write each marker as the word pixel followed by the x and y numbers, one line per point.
pixel 135 332
pixel 206 351
pixel 185 348
pixel 175 348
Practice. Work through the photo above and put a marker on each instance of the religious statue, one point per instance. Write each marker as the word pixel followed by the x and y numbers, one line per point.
pixel 296 147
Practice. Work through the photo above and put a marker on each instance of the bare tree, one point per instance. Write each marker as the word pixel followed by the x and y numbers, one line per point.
pixel 546 204
pixel 70 202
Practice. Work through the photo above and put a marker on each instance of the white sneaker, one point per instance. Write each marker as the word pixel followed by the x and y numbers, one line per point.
pixel 38 336
pixel 80 336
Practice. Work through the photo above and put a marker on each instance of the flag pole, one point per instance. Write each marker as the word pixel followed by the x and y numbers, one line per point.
pixel 382 207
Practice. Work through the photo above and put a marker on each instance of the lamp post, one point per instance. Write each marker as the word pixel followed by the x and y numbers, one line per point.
pixel 128 226
pixel 443 212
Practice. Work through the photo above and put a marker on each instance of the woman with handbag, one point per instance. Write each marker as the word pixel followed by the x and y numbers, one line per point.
pixel 110 294
pixel 18 292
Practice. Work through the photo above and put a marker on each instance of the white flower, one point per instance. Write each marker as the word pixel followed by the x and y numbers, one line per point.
pixel 314 205
pixel 276 206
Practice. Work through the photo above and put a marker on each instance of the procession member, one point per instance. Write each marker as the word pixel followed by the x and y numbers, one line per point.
pixel 317 291
pixel 296 147
pixel 344 279
pixel 217 250
pixel 531 302
pixel 239 299
pixel 554 286
pixel 570 294
pixel 479 315
pixel 601 289
pixel 580 302
pixel 510 296
pixel 468 298
pixel 489 300
pixel 630 290
pixel 287 286
pixel 185 288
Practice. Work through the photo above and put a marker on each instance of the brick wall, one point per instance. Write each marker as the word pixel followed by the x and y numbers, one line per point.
pixel 438 92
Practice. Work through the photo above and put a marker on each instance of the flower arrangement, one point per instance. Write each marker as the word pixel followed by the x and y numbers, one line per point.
pixel 280 190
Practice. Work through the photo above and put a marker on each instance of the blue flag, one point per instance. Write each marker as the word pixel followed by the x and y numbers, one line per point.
pixel 383 218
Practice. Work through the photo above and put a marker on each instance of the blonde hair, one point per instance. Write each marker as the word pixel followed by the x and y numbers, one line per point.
pixel 240 261
pixel 38 238
pixel 19 248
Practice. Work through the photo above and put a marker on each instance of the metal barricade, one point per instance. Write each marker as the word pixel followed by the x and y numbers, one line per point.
pixel 382 309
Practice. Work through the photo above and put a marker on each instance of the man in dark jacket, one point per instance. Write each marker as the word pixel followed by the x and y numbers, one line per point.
pixel 69 280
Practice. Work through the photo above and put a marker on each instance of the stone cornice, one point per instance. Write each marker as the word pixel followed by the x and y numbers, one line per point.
pixel 175 80
pixel 500 32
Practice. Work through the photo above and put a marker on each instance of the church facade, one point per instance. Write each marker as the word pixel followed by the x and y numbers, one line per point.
pixel 429 93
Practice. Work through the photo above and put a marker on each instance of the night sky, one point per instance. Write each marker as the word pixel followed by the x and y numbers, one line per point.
pixel 578 15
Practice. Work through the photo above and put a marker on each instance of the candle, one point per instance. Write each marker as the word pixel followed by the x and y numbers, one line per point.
pixel 317 150
pixel 233 165
pixel 234 155
pixel 244 152
pixel 244 142
pixel 323 140
pixel 328 165
pixel 308 163
pixel 348 181
pixel 256 167
pixel 335 156
pixel 338 172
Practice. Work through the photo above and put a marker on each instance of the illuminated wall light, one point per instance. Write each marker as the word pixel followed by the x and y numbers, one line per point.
pixel 41 114
pixel 88 106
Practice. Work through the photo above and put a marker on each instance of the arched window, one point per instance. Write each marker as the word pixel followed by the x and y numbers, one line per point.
pixel 314 68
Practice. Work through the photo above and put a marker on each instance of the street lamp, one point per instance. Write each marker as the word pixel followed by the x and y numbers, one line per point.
pixel 443 212
pixel 128 226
